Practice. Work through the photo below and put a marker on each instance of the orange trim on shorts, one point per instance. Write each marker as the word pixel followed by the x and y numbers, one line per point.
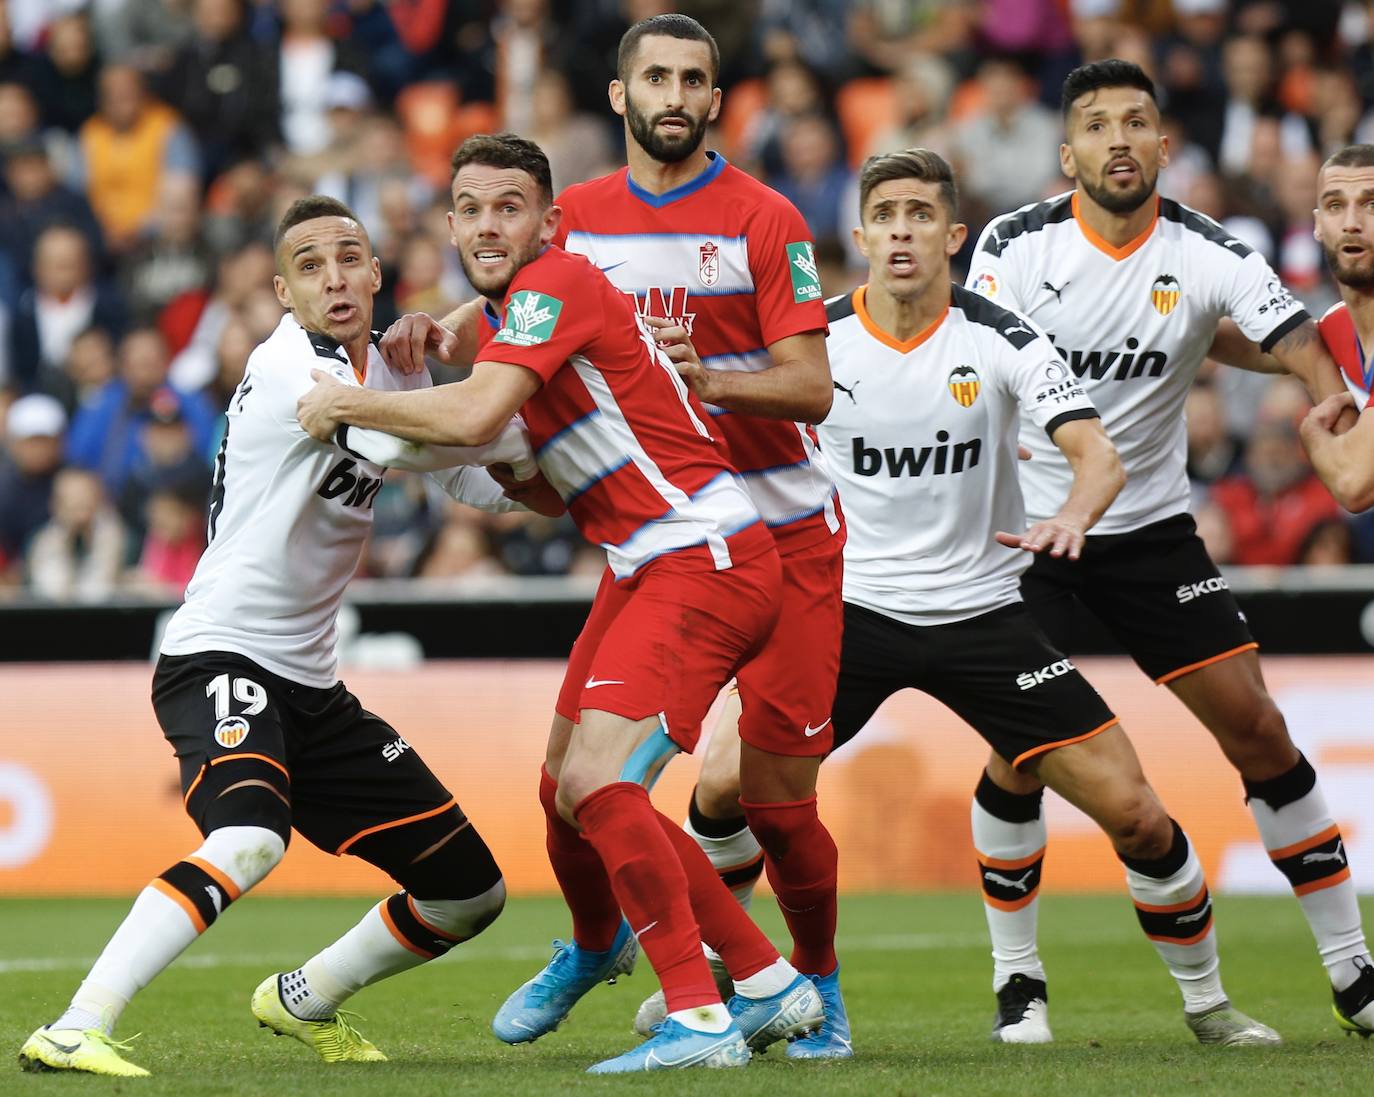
pixel 260 757
pixel 1062 743
pixel 230 888
pixel 397 823
pixel 181 901
pixel 1020 862
pixel 1173 908
pixel 1306 844
pixel 186 800
pixel 410 902
pixel 400 938
pixel 1164 681
pixel 1012 904
pixel 1327 882
pixel 1187 940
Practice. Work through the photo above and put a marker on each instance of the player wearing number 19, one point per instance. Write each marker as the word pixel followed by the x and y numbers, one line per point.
pixel 246 689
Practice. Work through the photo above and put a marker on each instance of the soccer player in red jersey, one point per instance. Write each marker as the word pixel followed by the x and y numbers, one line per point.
pixel 696 242
pixel 690 594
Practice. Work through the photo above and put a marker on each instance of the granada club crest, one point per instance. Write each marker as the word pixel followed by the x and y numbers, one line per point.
pixel 964 385
pixel 708 263
pixel 1164 294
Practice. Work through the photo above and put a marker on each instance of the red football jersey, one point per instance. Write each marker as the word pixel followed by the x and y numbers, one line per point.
pixel 1343 342
pixel 615 430
pixel 733 262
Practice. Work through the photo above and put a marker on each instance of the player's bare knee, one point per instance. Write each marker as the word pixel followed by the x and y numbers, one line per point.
pixel 717 795
pixel 1258 743
pixel 1139 827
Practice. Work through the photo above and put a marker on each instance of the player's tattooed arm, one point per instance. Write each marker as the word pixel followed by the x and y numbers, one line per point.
pixel 452 340
pixel 1303 354
pixel 797 386
pixel 1343 460
pixel 1231 347
pixel 1097 479
pixel 469 413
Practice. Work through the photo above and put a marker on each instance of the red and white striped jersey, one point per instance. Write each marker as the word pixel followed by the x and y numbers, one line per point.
pixel 733 262
pixel 1343 342
pixel 614 429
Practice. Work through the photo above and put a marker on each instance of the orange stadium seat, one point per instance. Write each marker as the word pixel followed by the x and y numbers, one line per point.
pixel 866 107
pixel 435 121
pixel 741 106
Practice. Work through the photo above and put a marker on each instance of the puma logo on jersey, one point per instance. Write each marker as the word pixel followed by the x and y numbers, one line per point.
pixel 1188 591
pixel 938 459
pixel 666 304
pixel 1113 365
pixel 1317 856
pixel 342 478
pixel 1034 678
pixel 1059 292
pixel 1022 885
pixel 848 391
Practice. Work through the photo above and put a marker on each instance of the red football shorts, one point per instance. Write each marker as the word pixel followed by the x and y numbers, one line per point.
pixel 786 691
pixel 665 641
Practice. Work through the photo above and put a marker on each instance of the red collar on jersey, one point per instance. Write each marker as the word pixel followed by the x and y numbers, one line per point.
pixel 1127 249
pixel 903 347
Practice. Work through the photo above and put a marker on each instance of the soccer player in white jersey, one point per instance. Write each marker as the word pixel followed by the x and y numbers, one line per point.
pixel 923 445
pixel 247 692
pixel 1131 288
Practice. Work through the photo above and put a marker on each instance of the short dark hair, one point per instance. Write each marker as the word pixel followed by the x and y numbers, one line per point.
pixel 307 209
pixel 668 26
pixel 1111 73
pixel 1352 156
pixel 505 150
pixel 922 164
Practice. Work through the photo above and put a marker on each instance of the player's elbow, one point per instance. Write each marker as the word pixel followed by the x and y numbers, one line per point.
pixel 817 400
pixel 1353 489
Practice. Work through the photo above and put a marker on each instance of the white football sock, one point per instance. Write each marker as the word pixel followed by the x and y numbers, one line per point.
pixel 161 923
pixel 1175 911
pixel 1307 847
pixel 1010 855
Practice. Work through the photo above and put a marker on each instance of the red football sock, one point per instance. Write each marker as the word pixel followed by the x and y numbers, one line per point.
pixel 649 882
pixel 803 867
pixel 725 925
pixel 581 875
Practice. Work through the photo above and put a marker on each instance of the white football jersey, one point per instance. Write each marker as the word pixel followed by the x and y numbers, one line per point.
pixel 1133 324
pixel 921 439
pixel 289 515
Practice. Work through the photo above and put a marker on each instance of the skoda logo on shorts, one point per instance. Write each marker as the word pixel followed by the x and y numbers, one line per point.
pixel 231 731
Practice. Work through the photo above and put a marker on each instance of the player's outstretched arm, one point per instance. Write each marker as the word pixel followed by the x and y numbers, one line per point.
pixel 1097 479
pixel 797 386
pixel 497 489
pixel 1344 461
pixel 469 413
pixel 452 340
pixel 1303 354
pixel 511 448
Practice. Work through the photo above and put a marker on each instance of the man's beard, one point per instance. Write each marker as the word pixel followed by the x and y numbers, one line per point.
pixel 1114 201
pixel 666 150
pixel 1360 276
pixel 482 278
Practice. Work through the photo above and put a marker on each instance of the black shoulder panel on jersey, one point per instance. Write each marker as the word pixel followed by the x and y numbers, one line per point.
pixel 979 310
pixel 375 337
pixel 324 346
pixel 1203 226
pixel 1051 212
pixel 837 308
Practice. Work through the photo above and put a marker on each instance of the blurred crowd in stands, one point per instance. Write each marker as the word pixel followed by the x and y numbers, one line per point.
pixel 147 148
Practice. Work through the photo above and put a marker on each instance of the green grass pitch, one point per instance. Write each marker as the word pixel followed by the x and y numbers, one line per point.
pixel 916 978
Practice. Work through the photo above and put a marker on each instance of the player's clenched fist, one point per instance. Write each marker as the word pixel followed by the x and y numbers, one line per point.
pixel 413 336
pixel 316 409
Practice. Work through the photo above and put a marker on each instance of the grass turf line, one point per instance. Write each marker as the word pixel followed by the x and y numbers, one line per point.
pixel 915 972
